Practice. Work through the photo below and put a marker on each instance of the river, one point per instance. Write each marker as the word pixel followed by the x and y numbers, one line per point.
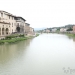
pixel 47 54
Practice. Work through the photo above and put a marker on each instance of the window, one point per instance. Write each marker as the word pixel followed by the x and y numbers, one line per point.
pixel 7 30
pixel 12 24
pixel 1 14
pixel 2 31
pixel 9 17
pixel 12 18
pixel 18 24
pixel 12 30
pixel 9 23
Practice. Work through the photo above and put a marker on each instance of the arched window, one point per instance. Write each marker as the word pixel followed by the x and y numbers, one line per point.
pixel 1 14
pixel 7 30
pixel 18 29
pixel 2 31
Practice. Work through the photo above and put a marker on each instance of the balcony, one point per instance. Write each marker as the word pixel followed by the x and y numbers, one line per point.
pixel 2 20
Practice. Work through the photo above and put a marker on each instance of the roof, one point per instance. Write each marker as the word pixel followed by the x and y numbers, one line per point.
pixel 12 15
pixel 20 17
pixel 7 13
pixel 27 24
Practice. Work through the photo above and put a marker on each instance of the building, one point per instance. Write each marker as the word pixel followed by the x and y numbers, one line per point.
pixel 54 30
pixel 63 29
pixel 27 28
pixel 47 30
pixel 7 23
pixel 31 30
pixel 20 24
pixel 74 28
pixel 11 24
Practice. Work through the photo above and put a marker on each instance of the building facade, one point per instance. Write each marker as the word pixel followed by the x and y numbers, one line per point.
pixel 47 30
pixel 74 28
pixel 29 30
pixel 54 30
pixel 63 29
pixel 11 24
pixel 20 24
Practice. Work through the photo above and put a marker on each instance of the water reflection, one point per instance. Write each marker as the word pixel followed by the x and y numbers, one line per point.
pixel 8 52
pixel 74 39
pixel 47 54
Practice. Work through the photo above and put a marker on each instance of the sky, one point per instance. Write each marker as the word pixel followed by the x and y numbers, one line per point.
pixel 42 13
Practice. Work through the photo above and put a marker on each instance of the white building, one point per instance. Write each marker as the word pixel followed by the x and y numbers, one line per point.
pixel 47 31
pixel 54 30
pixel 63 29
pixel 10 24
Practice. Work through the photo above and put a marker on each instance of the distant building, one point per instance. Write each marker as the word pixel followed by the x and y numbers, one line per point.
pixel 47 30
pixel 74 28
pixel 54 30
pixel 44 31
pixel 63 29
pixel 29 30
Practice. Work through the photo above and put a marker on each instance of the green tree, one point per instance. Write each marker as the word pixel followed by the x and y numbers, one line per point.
pixel 70 29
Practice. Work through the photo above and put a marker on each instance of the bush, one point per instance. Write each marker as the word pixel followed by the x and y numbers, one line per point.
pixel 21 35
pixel 1 42
pixel 70 29
pixel 13 36
pixel 37 35
pixel 9 37
pixel 14 40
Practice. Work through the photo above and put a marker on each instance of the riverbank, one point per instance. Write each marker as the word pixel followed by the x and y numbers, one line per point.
pixel 70 35
pixel 16 39
pixel 13 40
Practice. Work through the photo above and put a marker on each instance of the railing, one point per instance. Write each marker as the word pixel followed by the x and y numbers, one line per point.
pixel 3 20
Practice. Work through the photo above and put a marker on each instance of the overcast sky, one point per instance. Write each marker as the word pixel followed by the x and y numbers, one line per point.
pixel 42 13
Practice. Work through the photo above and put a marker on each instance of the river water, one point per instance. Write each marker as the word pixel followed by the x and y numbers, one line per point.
pixel 47 54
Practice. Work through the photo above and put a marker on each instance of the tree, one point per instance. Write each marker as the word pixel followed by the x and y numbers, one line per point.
pixel 70 29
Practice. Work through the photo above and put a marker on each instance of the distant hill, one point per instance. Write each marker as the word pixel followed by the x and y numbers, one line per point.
pixel 36 29
pixel 69 26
